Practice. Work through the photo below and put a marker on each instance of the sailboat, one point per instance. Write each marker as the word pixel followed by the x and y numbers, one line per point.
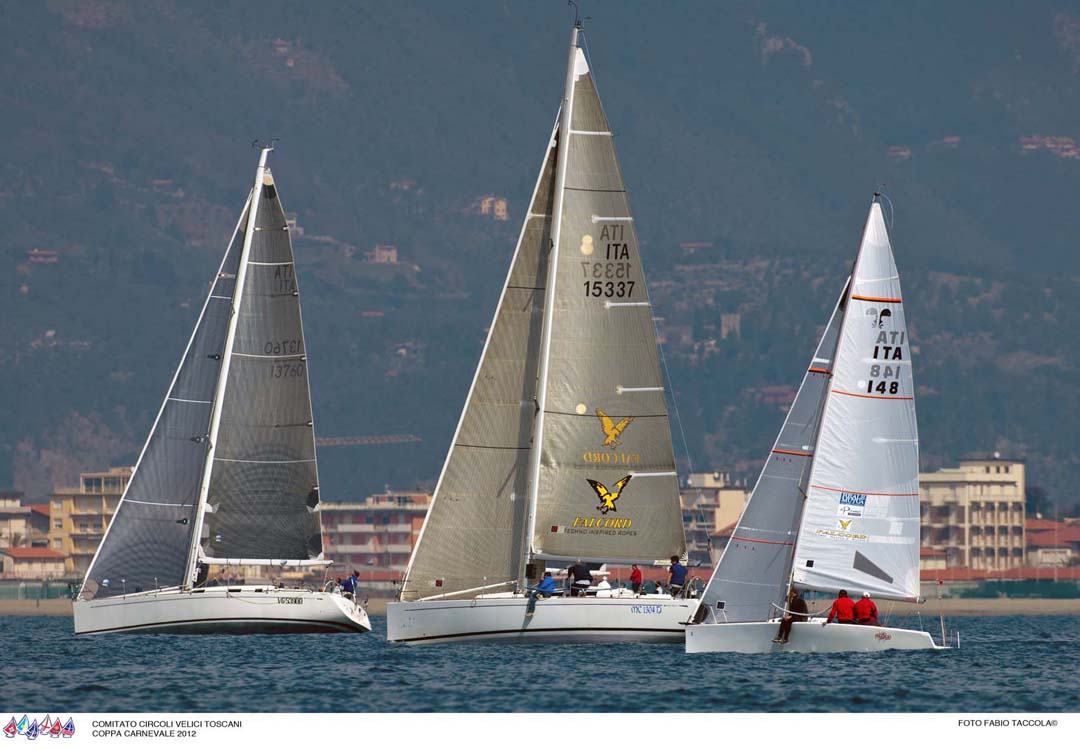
pixel 837 503
pixel 228 474
pixel 563 451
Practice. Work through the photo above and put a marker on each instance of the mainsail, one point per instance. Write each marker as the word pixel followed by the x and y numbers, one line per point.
pixel 147 543
pixel 471 539
pixel 860 528
pixel 608 489
pixel 754 569
pixel 263 497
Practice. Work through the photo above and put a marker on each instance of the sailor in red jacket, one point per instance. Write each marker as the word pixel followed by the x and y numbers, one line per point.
pixel 843 610
pixel 866 611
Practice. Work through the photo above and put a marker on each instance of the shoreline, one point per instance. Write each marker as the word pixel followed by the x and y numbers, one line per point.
pixel 1000 607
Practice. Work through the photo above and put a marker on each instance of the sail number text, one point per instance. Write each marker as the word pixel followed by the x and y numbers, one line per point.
pixel 284 346
pixel 885 378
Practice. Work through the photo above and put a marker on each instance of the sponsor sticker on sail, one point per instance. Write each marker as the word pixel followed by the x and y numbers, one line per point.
pixel 852 504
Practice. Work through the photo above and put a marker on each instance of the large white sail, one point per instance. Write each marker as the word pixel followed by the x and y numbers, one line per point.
pixel 860 528
pixel 753 572
pixel 607 487
pixel 472 538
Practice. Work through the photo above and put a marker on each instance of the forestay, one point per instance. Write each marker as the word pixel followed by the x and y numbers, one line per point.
pixel 147 542
pixel 472 538
pixel 860 529
pixel 607 489
pixel 754 569
pixel 263 495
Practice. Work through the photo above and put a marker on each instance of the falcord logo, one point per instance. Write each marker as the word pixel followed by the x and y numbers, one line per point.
pixel 32 729
pixel 608 497
pixel 612 429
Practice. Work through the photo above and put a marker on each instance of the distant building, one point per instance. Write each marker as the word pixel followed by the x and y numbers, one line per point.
pixel 15 523
pixel 899 153
pixel 710 502
pixel 45 257
pixel 491 205
pixel 80 515
pixel 31 563
pixel 382 254
pixel 730 325
pixel 1052 544
pixel 375 536
pixel 292 221
pixel 974 513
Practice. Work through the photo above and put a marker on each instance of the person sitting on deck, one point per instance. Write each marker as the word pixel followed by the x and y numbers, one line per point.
pixel 348 586
pixel 546 587
pixel 676 576
pixel 843 610
pixel 866 611
pixel 796 612
pixel 580 578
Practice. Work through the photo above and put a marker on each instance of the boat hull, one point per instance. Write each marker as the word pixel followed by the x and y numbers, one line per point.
pixel 806 637
pixel 648 619
pixel 235 610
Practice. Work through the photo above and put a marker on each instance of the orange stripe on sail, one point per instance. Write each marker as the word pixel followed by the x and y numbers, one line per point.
pixel 821 370
pixel 876 299
pixel 859 492
pixel 791 453
pixel 868 395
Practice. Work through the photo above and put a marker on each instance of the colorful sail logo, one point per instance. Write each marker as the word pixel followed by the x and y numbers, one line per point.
pixel 46 727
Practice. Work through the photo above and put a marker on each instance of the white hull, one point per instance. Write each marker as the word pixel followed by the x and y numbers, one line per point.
pixel 588 619
pixel 225 609
pixel 806 637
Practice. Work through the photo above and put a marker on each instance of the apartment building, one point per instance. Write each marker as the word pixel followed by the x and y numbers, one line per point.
pixel 80 515
pixel 974 513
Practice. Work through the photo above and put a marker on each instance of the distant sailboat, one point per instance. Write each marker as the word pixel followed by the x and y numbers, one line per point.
pixel 837 502
pixel 228 475
pixel 563 451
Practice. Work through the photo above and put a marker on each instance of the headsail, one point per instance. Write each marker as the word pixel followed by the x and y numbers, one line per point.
pixel 147 542
pixel 608 489
pixel 860 529
pixel 263 496
pixel 472 540
pixel 753 571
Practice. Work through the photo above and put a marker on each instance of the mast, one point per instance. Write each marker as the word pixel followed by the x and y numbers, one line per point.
pixel 536 449
pixel 223 375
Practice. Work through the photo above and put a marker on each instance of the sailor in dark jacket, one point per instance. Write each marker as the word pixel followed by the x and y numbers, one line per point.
pixel 796 612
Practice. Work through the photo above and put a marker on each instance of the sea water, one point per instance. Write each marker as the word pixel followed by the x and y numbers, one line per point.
pixel 1004 664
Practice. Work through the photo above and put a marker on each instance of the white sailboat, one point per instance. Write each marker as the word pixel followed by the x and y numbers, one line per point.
pixel 228 475
pixel 563 451
pixel 837 503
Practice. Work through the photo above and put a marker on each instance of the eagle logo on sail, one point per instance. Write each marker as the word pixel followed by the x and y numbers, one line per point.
pixel 608 497
pixel 612 429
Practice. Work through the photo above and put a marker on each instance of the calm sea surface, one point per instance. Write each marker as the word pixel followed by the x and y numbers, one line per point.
pixel 1005 663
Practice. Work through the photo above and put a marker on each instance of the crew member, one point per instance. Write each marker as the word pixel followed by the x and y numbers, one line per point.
pixel 866 611
pixel 676 576
pixel 546 587
pixel 843 610
pixel 580 578
pixel 796 612
pixel 635 579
